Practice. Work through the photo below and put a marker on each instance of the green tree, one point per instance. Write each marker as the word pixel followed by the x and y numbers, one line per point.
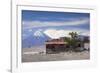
pixel 73 35
pixel 72 41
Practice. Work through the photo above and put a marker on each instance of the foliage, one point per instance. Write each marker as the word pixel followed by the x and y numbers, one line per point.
pixel 72 41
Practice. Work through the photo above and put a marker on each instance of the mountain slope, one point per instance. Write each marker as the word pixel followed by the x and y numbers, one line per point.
pixel 34 41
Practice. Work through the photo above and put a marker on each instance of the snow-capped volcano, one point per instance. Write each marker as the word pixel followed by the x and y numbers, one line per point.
pixel 37 39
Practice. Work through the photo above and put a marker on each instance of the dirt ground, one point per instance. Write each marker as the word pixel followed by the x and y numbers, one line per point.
pixel 37 57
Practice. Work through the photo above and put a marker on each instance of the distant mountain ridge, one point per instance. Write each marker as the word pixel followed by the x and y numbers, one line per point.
pixel 31 41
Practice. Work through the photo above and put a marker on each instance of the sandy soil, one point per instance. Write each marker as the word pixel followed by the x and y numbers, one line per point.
pixel 29 55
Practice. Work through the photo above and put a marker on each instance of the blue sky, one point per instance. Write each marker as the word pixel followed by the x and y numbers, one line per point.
pixel 51 16
pixel 53 24
pixel 45 16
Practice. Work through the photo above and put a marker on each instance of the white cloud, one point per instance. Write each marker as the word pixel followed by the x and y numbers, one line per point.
pixel 30 30
pixel 38 33
pixel 31 24
pixel 86 33
pixel 54 34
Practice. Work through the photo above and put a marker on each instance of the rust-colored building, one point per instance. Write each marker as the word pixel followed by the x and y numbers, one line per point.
pixel 56 45
pixel 59 45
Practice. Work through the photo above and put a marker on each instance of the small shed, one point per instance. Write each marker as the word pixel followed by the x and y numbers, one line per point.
pixel 87 46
